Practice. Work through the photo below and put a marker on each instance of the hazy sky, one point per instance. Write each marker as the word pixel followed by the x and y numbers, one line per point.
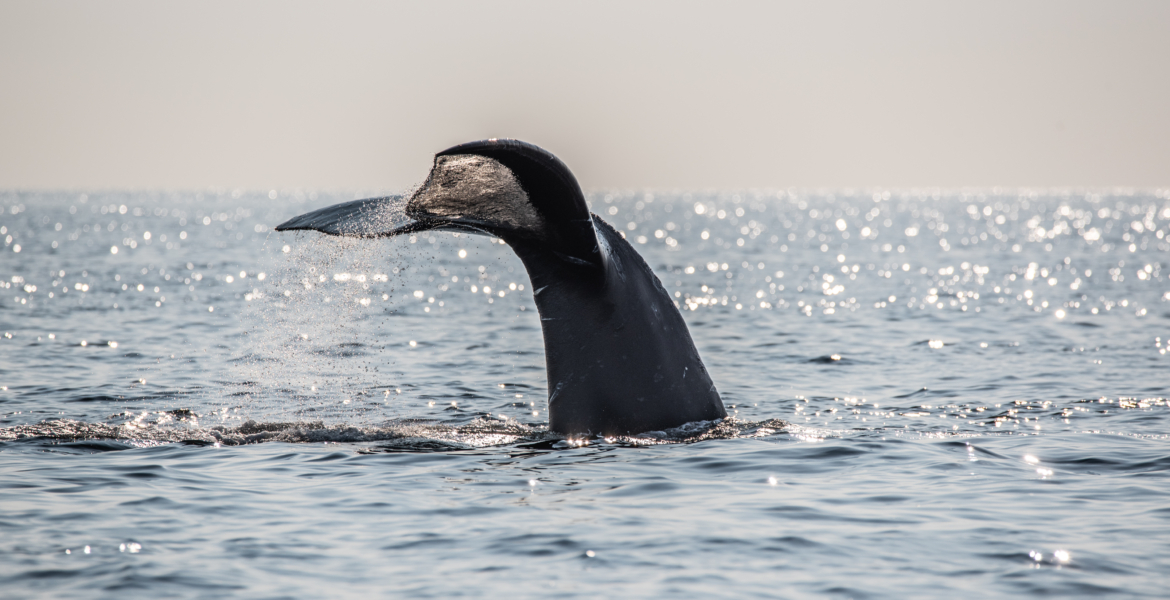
pixel 663 94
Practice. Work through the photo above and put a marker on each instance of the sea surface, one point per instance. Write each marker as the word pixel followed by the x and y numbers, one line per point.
pixel 932 394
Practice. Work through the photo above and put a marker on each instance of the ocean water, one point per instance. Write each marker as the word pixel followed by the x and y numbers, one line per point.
pixel 959 393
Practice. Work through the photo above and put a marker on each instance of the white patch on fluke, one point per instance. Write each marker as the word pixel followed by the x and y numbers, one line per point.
pixel 477 188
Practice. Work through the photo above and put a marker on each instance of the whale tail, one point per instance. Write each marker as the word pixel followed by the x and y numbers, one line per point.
pixel 369 218
pixel 618 354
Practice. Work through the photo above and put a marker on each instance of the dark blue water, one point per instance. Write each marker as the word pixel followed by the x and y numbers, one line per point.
pixel 959 394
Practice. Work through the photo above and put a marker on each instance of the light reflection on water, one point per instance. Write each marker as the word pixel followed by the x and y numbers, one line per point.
pixel 959 392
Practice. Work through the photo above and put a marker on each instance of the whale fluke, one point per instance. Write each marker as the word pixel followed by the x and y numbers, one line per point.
pixel 619 357
pixel 372 217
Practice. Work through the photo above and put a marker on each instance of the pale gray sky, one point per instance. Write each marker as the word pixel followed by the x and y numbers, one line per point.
pixel 664 94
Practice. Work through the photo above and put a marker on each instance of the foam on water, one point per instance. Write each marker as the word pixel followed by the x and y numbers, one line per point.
pixel 182 426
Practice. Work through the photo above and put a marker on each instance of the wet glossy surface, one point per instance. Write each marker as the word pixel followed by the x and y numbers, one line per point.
pixel 959 394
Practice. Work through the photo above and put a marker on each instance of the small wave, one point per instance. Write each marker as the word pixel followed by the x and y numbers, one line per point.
pixel 831 359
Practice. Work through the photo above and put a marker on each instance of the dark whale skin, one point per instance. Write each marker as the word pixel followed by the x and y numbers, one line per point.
pixel 619 357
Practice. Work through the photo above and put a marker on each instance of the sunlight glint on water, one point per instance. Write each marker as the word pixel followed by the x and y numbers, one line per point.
pixel 959 393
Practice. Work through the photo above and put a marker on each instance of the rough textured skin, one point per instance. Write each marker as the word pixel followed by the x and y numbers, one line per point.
pixel 474 187
pixel 619 357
